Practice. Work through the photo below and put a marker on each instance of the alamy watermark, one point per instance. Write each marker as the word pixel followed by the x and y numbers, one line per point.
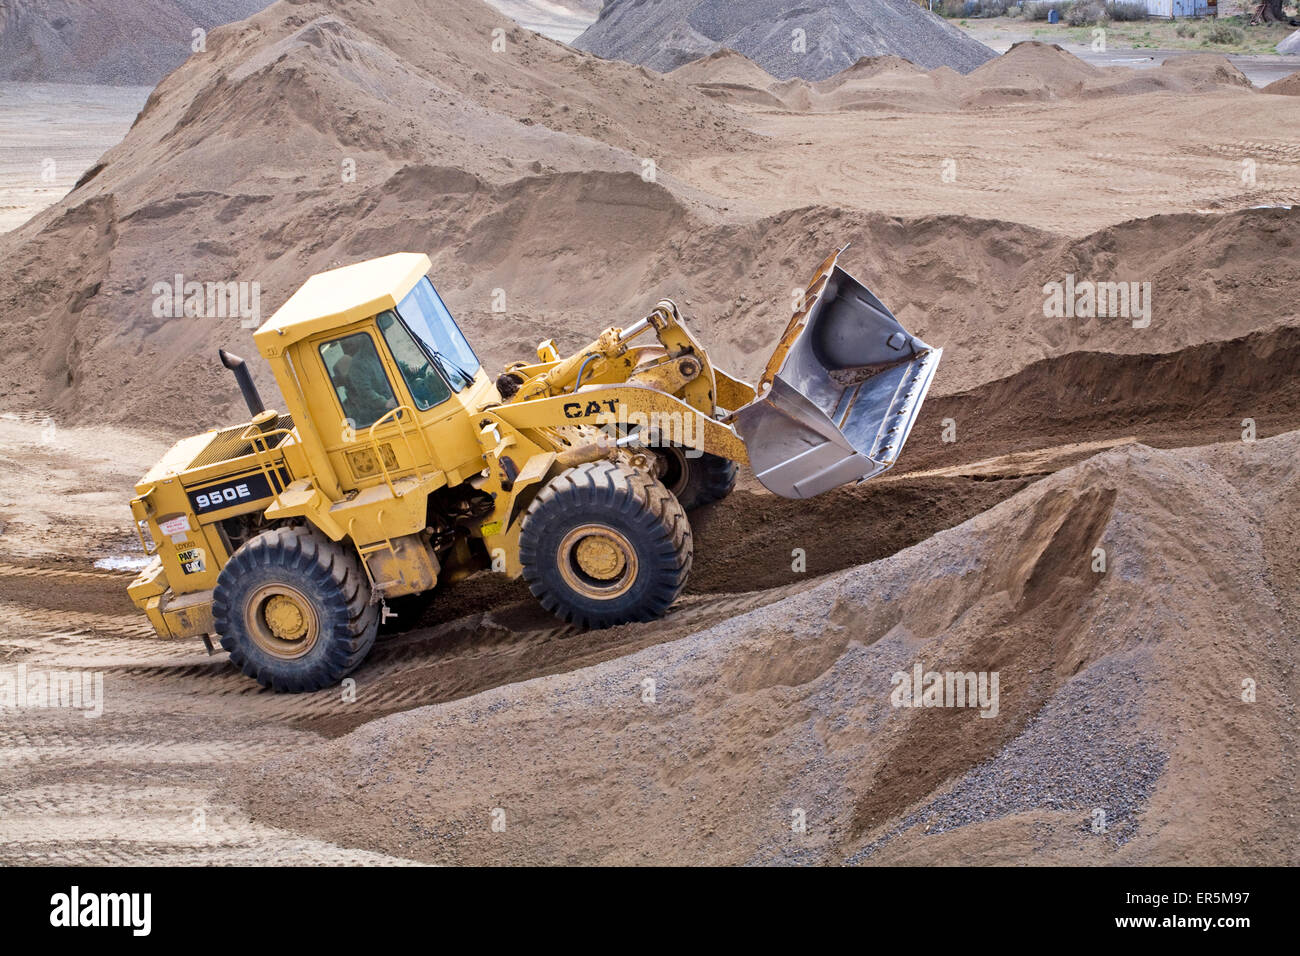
pixel 922 688
pixel 177 299
pixel 1087 299
pixel 133 911
pixel 25 689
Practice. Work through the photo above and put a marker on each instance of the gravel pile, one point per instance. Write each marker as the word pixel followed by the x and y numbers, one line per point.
pixel 1082 752
pixel 119 44
pixel 835 34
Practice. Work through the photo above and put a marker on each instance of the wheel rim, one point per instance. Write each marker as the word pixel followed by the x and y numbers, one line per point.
pixel 282 621
pixel 597 561
pixel 675 469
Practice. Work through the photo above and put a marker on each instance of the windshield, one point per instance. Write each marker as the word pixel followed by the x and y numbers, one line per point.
pixel 427 316
pixel 427 388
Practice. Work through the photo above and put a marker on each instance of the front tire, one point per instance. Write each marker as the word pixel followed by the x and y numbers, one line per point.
pixel 695 479
pixel 603 544
pixel 293 609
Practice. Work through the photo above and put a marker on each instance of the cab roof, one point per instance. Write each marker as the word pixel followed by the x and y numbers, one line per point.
pixel 340 296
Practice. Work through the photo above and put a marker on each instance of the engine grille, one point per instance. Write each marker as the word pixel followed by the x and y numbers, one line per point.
pixel 226 444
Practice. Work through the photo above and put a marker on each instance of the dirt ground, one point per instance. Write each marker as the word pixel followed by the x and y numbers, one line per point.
pixel 52 133
pixel 1174 448
pixel 943 186
pixel 164 774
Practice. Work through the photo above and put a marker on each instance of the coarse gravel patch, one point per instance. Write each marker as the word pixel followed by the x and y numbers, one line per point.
pixel 813 41
pixel 1083 751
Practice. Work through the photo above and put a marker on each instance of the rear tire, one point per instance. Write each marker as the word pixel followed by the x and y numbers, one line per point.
pixel 695 480
pixel 293 609
pixel 603 544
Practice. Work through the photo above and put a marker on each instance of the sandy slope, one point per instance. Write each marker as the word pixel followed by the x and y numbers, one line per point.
pixel 1118 690
pixel 1287 86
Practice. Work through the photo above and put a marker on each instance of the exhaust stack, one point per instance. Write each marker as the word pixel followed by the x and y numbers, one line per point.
pixel 245 380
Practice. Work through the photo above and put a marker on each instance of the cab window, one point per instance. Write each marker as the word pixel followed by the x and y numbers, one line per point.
pixel 358 378
pixel 426 386
pixel 425 314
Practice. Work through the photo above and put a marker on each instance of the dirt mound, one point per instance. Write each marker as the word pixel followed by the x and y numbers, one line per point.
pixel 724 66
pixel 734 78
pixel 977 288
pixel 1029 71
pixel 1119 689
pixel 836 35
pixel 871 66
pixel 1041 71
pixel 1287 86
pixel 1205 71
pixel 302 116
pixel 1201 394
pixel 887 83
pixel 968 285
pixel 81 41
pixel 867 84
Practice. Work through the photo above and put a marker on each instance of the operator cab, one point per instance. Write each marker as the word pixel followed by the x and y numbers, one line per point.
pixel 431 355
pixel 384 376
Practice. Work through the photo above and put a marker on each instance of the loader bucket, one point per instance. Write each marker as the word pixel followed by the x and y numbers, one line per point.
pixel 840 393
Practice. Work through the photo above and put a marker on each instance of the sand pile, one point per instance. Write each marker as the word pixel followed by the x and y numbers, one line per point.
pixel 1287 86
pixel 1204 71
pixel 887 82
pixel 724 67
pixel 240 167
pixel 1029 71
pixel 976 287
pixel 313 135
pixel 874 71
pixel 1196 395
pixel 1041 71
pixel 834 34
pixel 738 81
pixel 82 41
pixel 320 133
pixel 1119 690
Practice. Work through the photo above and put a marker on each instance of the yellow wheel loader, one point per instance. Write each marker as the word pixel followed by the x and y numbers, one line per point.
pixel 399 464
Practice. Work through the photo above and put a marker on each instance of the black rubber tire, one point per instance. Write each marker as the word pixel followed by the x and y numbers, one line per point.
pixel 330 576
pixel 407 611
pixel 699 480
pixel 632 504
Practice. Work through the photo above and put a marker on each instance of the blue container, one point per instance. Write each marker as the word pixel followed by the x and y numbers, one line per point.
pixel 1053 16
